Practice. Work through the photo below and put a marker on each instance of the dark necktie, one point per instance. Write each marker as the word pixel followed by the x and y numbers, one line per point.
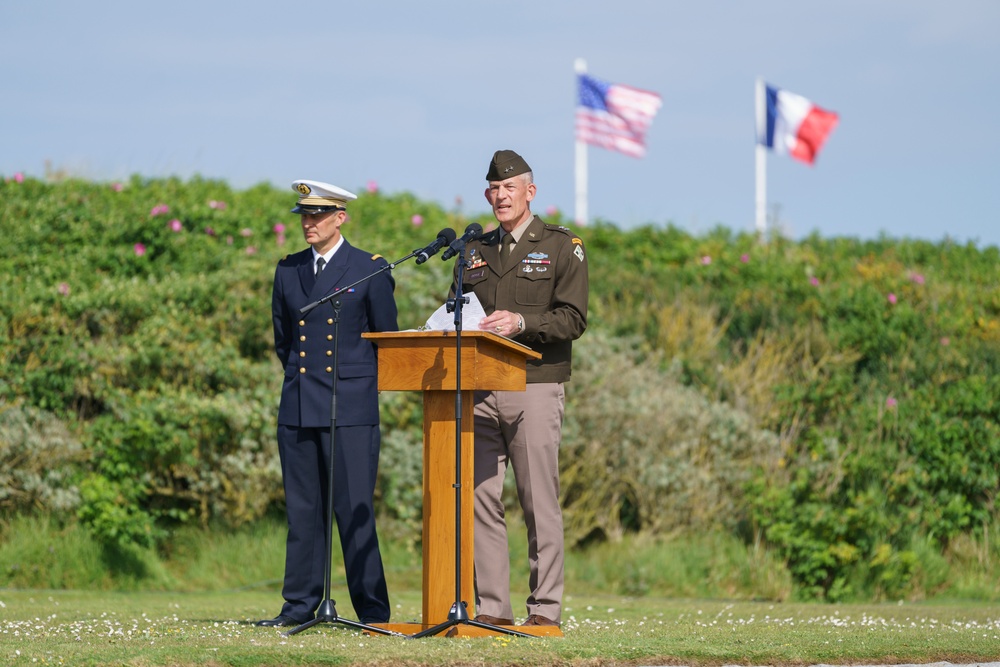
pixel 505 243
pixel 320 263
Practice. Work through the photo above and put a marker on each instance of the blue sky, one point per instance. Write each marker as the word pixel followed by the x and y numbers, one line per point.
pixel 416 96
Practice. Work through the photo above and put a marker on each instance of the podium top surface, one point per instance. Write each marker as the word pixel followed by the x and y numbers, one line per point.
pixel 428 361
pixel 389 337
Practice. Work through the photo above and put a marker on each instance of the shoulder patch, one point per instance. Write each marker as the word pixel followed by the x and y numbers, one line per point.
pixel 374 257
pixel 577 240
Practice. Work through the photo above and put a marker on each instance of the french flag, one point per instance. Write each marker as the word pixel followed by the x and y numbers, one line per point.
pixel 794 125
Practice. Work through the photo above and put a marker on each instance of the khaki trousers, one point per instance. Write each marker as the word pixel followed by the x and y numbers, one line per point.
pixel 521 429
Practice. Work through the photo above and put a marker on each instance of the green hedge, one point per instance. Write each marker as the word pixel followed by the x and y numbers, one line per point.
pixel 837 400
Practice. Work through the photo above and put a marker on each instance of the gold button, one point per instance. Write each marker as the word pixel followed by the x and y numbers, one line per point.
pixel 302 370
pixel 302 354
pixel 329 369
pixel 329 353
pixel 302 337
pixel 302 323
pixel 330 321
pixel 329 337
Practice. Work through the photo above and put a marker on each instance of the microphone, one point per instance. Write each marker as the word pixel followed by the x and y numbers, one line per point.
pixel 472 232
pixel 445 236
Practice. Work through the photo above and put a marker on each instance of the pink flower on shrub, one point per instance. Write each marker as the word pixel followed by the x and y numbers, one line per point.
pixel 918 278
pixel 217 205
pixel 117 187
pixel 814 281
pixel 745 258
pixel 890 402
pixel 64 289
pixel 175 225
pixel 945 341
pixel 159 209
pixel 279 232
pixel 551 210
pixel 372 187
pixel 892 298
pixel 19 177
pixel 417 220
pixel 251 250
pixel 139 249
pixel 210 231
pixel 229 240
pixel 246 232
pixel 706 260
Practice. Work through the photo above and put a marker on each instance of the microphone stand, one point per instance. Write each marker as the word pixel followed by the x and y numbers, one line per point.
pixel 459 613
pixel 327 612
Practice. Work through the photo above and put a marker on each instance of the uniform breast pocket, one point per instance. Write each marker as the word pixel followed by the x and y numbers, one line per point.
pixel 534 286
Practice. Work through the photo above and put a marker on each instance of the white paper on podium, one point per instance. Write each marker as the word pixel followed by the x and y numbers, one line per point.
pixel 442 320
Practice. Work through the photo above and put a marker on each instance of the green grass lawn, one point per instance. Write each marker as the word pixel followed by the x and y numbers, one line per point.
pixel 179 629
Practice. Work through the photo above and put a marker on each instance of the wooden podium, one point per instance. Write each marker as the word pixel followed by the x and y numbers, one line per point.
pixel 426 361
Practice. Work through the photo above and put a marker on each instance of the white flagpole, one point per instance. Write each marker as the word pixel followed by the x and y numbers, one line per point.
pixel 761 170
pixel 580 163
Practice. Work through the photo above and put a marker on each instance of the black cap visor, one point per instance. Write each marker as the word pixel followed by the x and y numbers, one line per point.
pixel 316 210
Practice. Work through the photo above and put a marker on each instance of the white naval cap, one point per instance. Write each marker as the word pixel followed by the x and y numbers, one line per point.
pixel 319 197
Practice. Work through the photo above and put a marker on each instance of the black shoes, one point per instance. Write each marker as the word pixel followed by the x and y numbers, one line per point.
pixel 280 621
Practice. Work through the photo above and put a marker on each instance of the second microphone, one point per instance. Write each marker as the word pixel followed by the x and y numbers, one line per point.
pixel 472 232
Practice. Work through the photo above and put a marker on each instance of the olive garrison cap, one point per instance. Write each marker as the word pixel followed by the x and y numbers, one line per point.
pixel 506 164
pixel 318 197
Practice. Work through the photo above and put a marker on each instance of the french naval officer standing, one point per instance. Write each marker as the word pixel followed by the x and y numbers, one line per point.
pixel 305 346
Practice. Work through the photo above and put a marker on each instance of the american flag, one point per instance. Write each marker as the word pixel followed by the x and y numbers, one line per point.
pixel 613 116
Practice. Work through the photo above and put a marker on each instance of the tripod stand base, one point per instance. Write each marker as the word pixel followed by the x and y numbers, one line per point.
pixel 466 630
pixel 328 614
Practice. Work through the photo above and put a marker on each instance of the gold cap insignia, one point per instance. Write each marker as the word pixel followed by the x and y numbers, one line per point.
pixel 303 188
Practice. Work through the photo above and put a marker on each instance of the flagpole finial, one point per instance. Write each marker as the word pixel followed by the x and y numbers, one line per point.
pixel 580 65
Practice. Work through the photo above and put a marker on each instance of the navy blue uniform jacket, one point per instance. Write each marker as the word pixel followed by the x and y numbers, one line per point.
pixel 304 343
